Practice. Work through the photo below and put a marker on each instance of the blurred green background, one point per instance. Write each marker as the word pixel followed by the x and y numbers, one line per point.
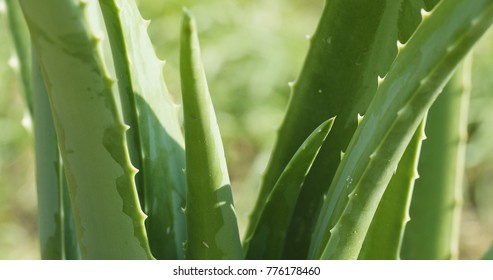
pixel 251 50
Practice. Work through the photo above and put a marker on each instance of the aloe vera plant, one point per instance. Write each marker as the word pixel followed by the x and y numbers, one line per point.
pixel 130 181
pixel 400 119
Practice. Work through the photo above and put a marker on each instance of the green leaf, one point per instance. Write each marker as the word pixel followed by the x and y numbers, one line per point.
pixel 57 236
pixel 433 232
pixel 211 219
pixel 267 241
pixel 355 42
pixel 70 242
pixel 89 127
pixel 414 81
pixel 157 144
pixel 384 238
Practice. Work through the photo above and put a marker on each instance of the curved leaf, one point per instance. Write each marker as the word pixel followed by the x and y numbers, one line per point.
pixel 90 129
pixel 57 236
pixel 157 146
pixel 433 231
pixel 268 239
pixel 412 84
pixel 384 238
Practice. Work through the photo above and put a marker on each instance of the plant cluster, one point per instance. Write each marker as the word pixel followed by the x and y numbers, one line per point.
pixel 119 176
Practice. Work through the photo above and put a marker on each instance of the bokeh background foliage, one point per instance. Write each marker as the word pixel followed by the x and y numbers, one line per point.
pixel 251 50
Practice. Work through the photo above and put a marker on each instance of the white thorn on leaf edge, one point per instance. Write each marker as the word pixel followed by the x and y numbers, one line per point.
pixel 360 118
pixel 233 208
pixel 27 122
pixel 400 45
pixel 146 22
pixel 99 36
pixel 219 204
pixel 425 14
pixel 380 79
pixel 13 62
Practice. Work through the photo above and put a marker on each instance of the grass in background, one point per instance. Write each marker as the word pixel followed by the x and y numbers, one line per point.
pixel 18 227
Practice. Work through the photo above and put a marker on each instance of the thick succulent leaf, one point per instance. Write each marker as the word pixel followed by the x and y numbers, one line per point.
pixel 55 221
pixel 336 63
pixel 433 232
pixel 57 236
pixel 267 241
pixel 384 238
pixel 20 35
pixel 71 247
pixel 157 144
pixel 211 218
pixel 90 129
pixel 111 13
pixel 414 81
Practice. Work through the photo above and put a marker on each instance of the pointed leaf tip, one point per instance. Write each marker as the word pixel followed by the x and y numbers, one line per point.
pixel 188 25
pixel 269 234
pixel 208 184
pixel 326 126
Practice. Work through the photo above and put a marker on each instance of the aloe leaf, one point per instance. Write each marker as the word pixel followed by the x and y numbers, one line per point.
pixel 332 68
pixel 384 238
pixel 20 35
pixel 157 145
pixel 112 17
pixel 57 237
pixel 55 221
pixel 211 218
pixel 90 129
pixel 433 232
pixel 70 242
pixel 412 84
pixel 268 239
pixel 47 175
